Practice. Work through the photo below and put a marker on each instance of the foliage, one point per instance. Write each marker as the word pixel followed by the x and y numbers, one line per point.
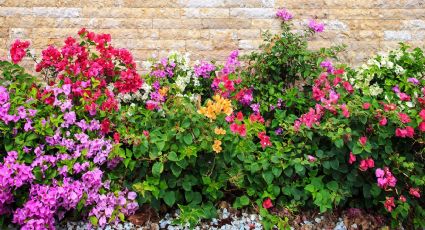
pixel 289 130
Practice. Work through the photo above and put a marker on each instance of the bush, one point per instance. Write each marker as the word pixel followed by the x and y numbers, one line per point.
pixel 289 130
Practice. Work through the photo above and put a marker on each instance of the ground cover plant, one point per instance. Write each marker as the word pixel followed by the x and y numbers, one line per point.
pixel 90 138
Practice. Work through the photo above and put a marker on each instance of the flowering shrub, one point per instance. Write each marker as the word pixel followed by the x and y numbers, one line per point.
pixel 397 68
pixel 94 139
pixel 56 148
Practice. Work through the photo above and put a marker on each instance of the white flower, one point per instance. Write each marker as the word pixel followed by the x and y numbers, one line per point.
pixel 147 64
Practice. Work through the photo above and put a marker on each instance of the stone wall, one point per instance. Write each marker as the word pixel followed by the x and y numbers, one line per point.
pixel 212 28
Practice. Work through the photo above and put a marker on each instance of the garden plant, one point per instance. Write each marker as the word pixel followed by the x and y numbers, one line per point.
pixel 283 128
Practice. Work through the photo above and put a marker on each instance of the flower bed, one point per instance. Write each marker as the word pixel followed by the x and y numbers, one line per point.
pixel 95 140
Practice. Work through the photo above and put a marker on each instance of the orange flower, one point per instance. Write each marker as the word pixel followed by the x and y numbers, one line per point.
pixel 219 131
pixel 216 107
pixel 217 146
pixel 163 91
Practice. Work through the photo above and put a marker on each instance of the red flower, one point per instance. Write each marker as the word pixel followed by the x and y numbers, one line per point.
pixel 239 116
pixel 383 121
pixel 422 114
pixel 352 158
pixel 256 117
pixel 403 133
pixel 389 204
pixel 366 105
pixel 370 163
pixel 402 198
pixel 345 111
pixel 337 80
pixel 117 137
pixel 264 140
pixel 146 133
pixel 348 86
pixel 363 165
pixel 404 118
pixel 422 126
pixel 389 107
pixel 17 51
pixel 363 140
pixel 105 126
pixel 267 203
pixel 129 81
pixel 415 192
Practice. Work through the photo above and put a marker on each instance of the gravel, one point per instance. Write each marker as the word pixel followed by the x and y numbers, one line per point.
pixel 226 221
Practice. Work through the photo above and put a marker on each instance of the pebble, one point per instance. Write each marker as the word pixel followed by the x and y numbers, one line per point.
pixel 246 221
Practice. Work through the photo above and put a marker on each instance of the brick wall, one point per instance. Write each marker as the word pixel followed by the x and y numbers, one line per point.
pixel 211 28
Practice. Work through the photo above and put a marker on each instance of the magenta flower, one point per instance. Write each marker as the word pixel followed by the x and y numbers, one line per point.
pixel 316 26
pixel 284 14
pixel 413 80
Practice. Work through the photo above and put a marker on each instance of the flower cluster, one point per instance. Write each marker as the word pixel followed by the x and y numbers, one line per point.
pixel 284 14
pixel 18 50
pixel 218 106
pixel 204 69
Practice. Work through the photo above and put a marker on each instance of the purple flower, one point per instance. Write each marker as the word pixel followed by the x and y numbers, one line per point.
pixel 131 195
pixel 255 108
pixel 28 125
pixel 4 95
pixel 203 69
pixel 396 89
pixel 279 131
pixel 232 63
pixel 327 65
pixel 284 14
pixel 316 26
pixel 413 80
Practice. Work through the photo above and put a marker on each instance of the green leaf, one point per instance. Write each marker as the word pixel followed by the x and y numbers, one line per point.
pixel 160 145
pixel 244 200
pixel 176 170
pixel 172 156
pixel 170 198
pixel 339 143
pixel 188 139
pixel 93 220
pixel 268 177
pixel 157 169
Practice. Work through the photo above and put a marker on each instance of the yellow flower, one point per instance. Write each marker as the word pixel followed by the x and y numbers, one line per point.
pixel 216 107
pixel 219 131
pixel 163 91
pixel 217 146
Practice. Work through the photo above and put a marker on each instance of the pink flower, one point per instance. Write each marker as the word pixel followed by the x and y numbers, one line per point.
pixel 345 111
pixel 383 121
pixel 379 173
pixel 311 158
pixel 284 14
pixel 370 163
pixel 267 203
pixel 389 204
pixel 363 165
pixel 316 26
pixel 422 126
pixel 348 86
pixel 363 140
pixel 415 192
pixel 402 198
pixel 404 118
pixel 366 105
pixel 352 158
pixel 17 51
pixel 403 133
pixel 422 114
pixel 264 140
pixel 404 97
